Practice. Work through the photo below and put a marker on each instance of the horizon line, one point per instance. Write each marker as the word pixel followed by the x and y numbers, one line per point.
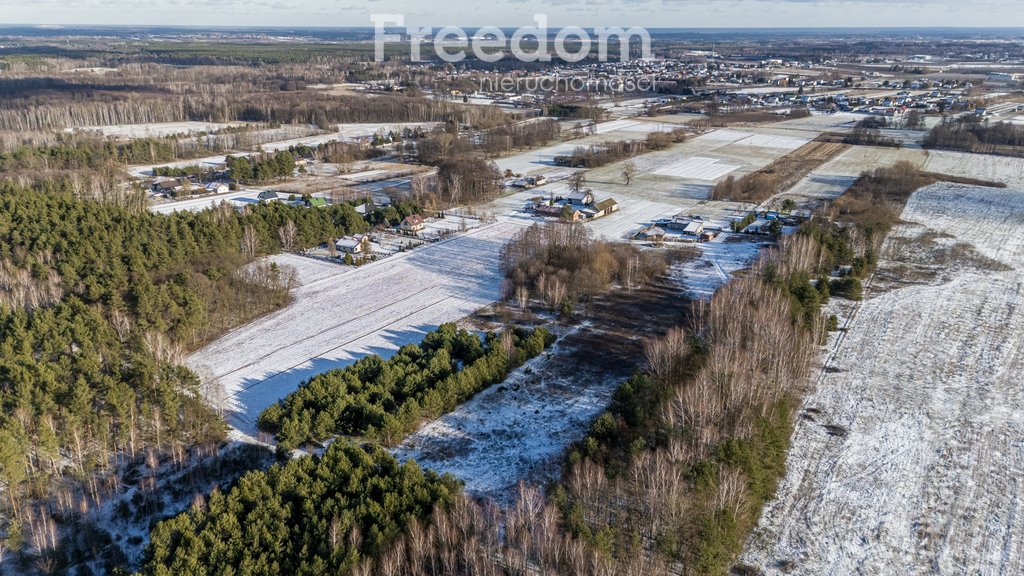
pixel 371 28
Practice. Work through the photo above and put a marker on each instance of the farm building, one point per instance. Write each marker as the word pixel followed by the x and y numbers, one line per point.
pixel 694 228
pixel 554 211
pixel 317 202
pixel 564 211
pixel 654 233
pixel 608 205
pixel 801 214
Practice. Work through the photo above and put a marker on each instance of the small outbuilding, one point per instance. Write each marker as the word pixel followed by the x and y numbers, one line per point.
pixel 608 205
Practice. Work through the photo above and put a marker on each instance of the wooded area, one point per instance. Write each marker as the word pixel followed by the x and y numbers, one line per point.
pixel 97 307
pixel 561 264
pixel 973 134
pixel 330 514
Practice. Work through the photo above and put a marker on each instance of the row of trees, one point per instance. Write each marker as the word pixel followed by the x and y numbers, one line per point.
pixel 386 399
pixel 675 473
pixel 608 152
pixel 64 110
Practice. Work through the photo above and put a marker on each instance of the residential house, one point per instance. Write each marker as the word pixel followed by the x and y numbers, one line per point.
pixel 317 202
pixel 412 223
pixel 168 186
pixel 584 197
pixel 358 244
pixel 268 196
pixel 216 188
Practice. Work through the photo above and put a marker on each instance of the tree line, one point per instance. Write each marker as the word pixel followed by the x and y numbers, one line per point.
pixel 971 134
pixel 386 399
pixel 607 152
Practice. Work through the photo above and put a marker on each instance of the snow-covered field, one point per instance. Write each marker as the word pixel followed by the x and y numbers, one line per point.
pixel 716 262
pixel 612 130
pixel 908 457
pixel 199 204
pixel 698 168
pixel 527 162
pixel 348 133
pixel 984 166
pixel 510 432
pixel 155 129
pixel 208 162
pixel 340 314
pixel 773 141
pixel 726 136
pixel 633 126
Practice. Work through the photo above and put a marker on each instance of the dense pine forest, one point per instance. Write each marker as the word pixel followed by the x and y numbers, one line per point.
pixel 98 304
pixel 330 514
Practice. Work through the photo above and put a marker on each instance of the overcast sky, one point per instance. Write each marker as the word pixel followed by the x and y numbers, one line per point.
pixel 583 13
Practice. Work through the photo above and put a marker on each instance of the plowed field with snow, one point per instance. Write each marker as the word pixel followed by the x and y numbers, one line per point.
pixel 908 457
